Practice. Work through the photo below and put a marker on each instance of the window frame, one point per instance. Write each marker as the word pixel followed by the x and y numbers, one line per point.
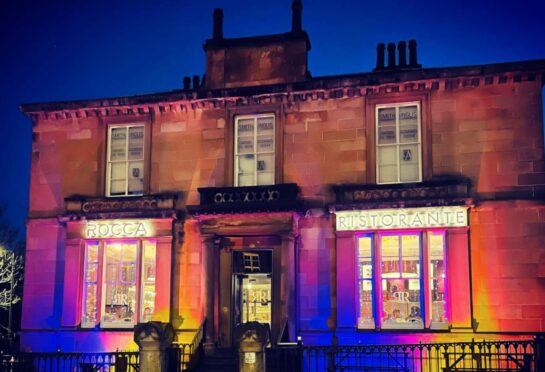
pixel 254 153
pixel 109 162
pixel 397 144
pixel 423 98
pixel 274 109
pixel 100 293
pixel 424 280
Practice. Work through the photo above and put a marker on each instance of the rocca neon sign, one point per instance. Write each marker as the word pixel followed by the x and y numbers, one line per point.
pixel 117 229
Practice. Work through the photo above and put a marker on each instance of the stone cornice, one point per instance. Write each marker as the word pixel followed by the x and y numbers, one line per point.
pixel 324 88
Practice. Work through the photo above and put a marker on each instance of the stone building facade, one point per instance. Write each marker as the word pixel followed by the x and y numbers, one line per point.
pixel 399 205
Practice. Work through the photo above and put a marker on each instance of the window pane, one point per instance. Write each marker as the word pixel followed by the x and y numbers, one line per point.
pixel 265 178
pixel 245 145
pixel 136 143
pixel 245 127
pixel 436 252
pixel 387 134
pixel 365 271
pixel 365 319
pixel 244 180
pixel 147 302
pixel 89 317
pixel 387 160
pixel 118 144
pixel 136 178
pixel 246 170
pixel 408 124
pixel 118 171
pixel 390 256
pixel 265 125
pixel 119 286
pixel 265 169
pixel 387 173
pixel 409 163
pixel 387 116
pixel 387 155
pixel 265 143
pixel 410 252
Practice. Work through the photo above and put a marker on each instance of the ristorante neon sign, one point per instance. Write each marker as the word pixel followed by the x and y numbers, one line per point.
pixel 117 229
pixel 387 219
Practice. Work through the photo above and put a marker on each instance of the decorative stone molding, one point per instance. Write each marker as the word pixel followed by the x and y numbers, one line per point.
pixel 436 192
pixel 281 197
pixel 82 205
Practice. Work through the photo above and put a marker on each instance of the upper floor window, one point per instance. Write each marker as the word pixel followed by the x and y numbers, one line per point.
pixel 402 280
pixel 398 133
pixel 125 169
pixel 254 155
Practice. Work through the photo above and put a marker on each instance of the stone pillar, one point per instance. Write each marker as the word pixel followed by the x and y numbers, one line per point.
pixel 251 338
pixel 153 339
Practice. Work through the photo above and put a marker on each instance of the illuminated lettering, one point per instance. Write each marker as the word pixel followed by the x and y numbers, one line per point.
pixel 447 215
pixel 461 217
pixel 403 220
pixel 117 229
pixel 385 218
pixel 434 217
pixel 417 221
pixel 401 217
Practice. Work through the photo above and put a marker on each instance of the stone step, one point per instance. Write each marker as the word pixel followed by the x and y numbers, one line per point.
pixel 219 360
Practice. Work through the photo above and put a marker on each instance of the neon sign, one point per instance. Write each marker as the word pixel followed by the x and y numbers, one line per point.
pixel 387 219
pixel 117 229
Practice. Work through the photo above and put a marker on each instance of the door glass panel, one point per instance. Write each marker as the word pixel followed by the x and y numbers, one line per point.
pixel 256 298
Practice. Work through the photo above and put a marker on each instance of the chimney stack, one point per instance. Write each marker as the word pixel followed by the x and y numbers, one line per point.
pixel 218 24
pixel 391 55
pixel 413 62
pixel 196 82
pixel 402 50
pixel 187 83
pixel 380 56
pixel 296 16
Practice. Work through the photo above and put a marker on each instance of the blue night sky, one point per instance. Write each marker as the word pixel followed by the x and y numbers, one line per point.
pixel 63 50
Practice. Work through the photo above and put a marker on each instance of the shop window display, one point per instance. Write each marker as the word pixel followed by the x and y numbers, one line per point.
pixel 394 290
pixel 119 283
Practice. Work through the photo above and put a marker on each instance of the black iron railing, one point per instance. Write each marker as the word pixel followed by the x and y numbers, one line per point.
pixel 496 356
pixel 69 362
pixel 185 357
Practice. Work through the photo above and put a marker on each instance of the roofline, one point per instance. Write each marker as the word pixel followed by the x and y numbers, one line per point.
pixel 386 76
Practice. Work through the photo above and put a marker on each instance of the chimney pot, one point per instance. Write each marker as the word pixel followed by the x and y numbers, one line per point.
pixel 196 82
pixel 218 24
pixel 413 61
pixel 380 56
pixel 402 52
pixel 187 83
pixel 391 55
pixel 296 16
